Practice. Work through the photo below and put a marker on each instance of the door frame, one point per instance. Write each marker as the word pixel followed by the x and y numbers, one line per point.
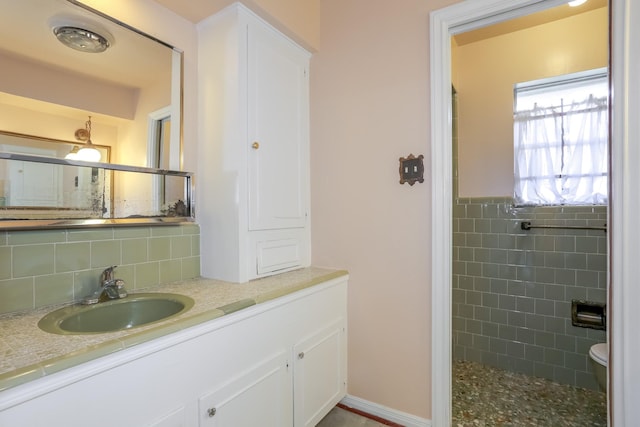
pixel 624 199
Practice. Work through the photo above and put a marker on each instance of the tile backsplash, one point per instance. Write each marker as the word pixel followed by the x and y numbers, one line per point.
pixel 512 289
pixel 45 267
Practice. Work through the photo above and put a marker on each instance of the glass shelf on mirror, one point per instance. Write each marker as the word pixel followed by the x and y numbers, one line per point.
pixel 45 192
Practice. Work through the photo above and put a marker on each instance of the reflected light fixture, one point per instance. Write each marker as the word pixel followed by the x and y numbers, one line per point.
pixel 575 3
pixel 73 154
pixel 81 39
pixel 87 152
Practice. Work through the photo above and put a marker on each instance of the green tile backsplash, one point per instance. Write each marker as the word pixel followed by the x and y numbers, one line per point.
pixel 512 289
pixel 40 268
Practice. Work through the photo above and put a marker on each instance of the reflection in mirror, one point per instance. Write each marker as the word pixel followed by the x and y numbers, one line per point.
pixel 26 186
pixel 73 189
pixel 52 78
pixel 46 87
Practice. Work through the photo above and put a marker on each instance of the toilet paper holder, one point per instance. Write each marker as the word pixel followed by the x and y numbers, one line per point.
pixel 589 314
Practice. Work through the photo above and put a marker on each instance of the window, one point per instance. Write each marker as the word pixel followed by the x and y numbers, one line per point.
pixel 561 140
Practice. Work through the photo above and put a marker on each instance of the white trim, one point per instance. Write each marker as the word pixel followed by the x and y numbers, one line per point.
pixel 152 133
pixel 444 23
pixel 381 411
pixel 152 152
pixel 624 371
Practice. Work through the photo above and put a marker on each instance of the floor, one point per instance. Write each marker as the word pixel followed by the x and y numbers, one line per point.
pixel 485 396
pixel 339 417
pixel 488 397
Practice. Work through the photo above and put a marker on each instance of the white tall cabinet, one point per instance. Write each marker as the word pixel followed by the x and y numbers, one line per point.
pixel 253 172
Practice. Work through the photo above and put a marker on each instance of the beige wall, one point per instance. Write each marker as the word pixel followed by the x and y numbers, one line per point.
pixel 484 77
pixel 370 106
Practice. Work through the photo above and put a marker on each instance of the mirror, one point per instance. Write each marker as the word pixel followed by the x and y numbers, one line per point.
pixel 132 92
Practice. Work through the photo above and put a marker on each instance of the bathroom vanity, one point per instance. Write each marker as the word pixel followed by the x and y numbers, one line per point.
pixel 271 352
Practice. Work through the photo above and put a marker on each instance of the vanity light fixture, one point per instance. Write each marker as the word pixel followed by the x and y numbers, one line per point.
pixel 87 152
pixel 81 39
pixel 575 3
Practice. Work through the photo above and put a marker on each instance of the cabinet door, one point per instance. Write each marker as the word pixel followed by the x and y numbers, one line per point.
pixel 260 396
pixel 278 98
pixel 176 418
pixel 319 374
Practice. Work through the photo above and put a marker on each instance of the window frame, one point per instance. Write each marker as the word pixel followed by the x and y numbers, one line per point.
pixel 564 82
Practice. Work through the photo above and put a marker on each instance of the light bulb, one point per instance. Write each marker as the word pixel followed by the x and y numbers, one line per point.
pixel 575 3
pixel 73 154
pixel 88 154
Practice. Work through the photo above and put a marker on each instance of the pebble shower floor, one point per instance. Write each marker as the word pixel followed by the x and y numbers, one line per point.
pixel 490 397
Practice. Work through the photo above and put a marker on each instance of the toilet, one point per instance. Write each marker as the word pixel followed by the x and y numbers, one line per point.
pixel 598 355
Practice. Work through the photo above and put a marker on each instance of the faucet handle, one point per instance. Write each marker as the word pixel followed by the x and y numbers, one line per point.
pixel 107 274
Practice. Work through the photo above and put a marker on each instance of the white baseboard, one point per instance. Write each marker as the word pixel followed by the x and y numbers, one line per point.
pixel 381 411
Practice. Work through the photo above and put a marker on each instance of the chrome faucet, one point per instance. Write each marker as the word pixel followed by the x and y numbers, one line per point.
pixel 110 288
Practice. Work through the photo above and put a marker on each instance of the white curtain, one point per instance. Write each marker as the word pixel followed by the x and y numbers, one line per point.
pixel 561 154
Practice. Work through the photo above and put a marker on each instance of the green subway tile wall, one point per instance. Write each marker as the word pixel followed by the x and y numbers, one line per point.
pixel 40 268
pixel 512 289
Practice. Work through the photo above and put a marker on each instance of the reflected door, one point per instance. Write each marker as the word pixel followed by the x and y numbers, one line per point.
pixel 33 184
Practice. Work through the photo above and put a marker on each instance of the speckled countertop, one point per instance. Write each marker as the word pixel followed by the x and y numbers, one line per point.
pixel 28 353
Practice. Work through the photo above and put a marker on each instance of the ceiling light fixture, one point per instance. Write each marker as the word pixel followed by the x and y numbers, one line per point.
pixel 575 3
pixel 81 39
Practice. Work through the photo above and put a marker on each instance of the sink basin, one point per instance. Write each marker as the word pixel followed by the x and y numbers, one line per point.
pixel 127 313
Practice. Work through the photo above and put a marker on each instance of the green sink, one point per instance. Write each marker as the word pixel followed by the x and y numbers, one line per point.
pixel 117 315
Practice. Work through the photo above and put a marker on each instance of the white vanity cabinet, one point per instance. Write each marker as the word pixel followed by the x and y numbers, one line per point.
pixel 253 172
pixel 244 369
pixel 320 373
pixel 260 396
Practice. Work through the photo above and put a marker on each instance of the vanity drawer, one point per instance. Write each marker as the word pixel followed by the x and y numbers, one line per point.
pixel 275 251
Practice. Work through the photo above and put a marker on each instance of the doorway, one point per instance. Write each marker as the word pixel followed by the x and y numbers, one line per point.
pixel 469 15
pixel 512 289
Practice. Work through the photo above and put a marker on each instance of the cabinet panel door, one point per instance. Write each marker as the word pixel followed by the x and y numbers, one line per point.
pixel 261 396
pixel 320 374
pixel 176 418
pixel 277 130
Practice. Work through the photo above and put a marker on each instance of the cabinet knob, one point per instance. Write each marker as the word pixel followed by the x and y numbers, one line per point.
pixel 255 145
pixel 211 412
pixel 301 355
